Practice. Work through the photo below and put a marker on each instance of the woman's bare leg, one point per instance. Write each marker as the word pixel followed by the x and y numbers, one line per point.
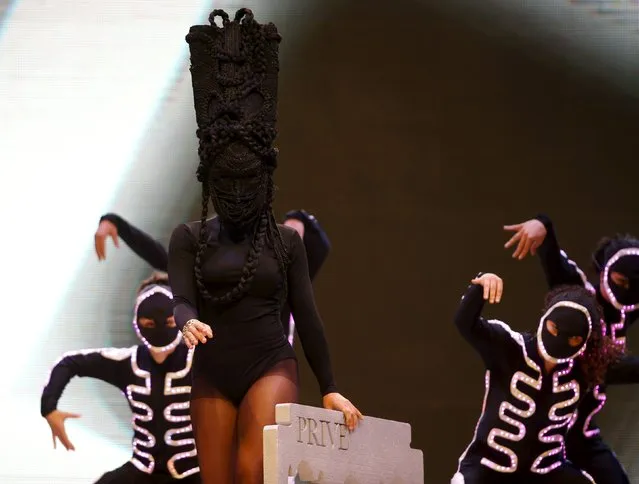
pixel 278 385
pixel 214 420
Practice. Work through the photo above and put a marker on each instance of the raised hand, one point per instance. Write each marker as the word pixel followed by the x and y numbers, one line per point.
pixel 529 234
pixel 493 287
pixel 56 421
pixel 105 229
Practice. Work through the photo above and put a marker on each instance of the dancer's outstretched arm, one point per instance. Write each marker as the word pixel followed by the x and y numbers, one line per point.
pixel 145 246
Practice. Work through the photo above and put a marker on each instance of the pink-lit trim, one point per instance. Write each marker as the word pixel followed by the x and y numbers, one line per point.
pixel 505 406
pixel 560 420
pixel 601 397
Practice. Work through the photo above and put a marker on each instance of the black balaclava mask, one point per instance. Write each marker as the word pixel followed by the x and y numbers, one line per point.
pixel 156 302
pixel 571 319
pixel 626 262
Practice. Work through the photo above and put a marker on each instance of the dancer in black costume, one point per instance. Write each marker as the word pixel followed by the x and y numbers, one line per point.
pixel 533 385
pixel 155 378
pixel 152 251
pixel 232 274
pixel 616 262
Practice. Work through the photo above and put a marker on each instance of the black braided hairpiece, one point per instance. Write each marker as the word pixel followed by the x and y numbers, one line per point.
pixel 234 71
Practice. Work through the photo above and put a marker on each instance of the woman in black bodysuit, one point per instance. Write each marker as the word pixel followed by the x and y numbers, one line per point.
pixel 534 382
pixel 152 251
pixel 232 274
pixel 616 262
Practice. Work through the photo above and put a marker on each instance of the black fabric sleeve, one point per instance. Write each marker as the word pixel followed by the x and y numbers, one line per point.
pixel 316 240
pixel 307 318
pixel 489 338
pixel 317 247
pixel 557 267
pixel 181 268
pixel 103 364
pixel 147 248
pixel 624 372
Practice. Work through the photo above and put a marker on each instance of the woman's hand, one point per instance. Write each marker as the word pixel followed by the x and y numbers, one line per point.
pixel 105 229
pixel 56 421
pixel 530 234
pixel 195 332
pixel 493 287
pixel 335 401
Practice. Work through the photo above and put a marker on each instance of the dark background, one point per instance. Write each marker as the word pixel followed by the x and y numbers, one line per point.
pixel 414 137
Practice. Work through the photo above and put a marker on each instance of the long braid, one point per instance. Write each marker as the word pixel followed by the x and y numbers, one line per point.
pixel 202 241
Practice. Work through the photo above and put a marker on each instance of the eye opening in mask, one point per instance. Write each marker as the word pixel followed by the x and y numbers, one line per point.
pixel 573 341
pixel 619 279
pixel 170 322
pixel 146 322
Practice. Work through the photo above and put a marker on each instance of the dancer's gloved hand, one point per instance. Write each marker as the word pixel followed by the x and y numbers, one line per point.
pixel 335 401
pixel 195 332
pixel 493 287
pixel 105 229
pixel 529 234
pixel 56 420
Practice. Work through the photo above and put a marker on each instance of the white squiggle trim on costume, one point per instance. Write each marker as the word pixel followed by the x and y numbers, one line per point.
pixel 169 389
pixel 291 330
pixel 458 478
pixel 146 417
pixel 588 476
pixel 561 421
pixel 115 354
pixel 582 274
pixel 601 397
pixel 619 326
pixel 522 377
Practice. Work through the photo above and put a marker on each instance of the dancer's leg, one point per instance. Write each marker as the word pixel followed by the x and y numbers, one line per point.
pixel 214 422
pixel 278 385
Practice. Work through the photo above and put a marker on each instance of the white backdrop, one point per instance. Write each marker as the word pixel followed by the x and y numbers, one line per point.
pixel 96 116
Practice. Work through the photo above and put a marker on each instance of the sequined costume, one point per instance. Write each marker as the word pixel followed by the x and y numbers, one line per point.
pixel 526 412
pixel 316 243
pixel 585 446
pixel 158 395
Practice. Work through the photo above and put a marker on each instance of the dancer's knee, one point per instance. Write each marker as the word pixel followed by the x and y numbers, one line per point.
pixel 249 466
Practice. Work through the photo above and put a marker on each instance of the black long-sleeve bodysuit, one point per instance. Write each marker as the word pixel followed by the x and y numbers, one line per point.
pixel 585 447
pixel 158 395
pixel 316 242
pixel 248 337
pixel 526 411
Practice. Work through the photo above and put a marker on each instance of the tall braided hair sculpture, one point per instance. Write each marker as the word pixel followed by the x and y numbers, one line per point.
pixel 234 71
